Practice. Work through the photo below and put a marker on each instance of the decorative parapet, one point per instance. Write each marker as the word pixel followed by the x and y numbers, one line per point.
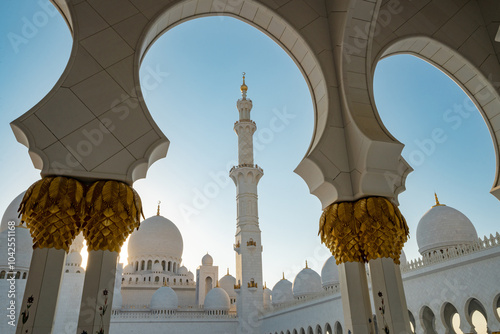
pixel 237 286
pixel 334 290
pixel 452 253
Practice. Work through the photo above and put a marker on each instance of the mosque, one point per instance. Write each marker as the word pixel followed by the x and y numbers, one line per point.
pixel 154 293
pixel 92 137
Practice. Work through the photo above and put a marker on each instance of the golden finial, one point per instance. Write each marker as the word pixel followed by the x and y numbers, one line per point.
pixel 165 283
pixel 227 272
pixel 244 87
pixel 265 285
pixel 283 275
pixel 306 265
pixel 437 201
pixel 158 211
pixel 217 284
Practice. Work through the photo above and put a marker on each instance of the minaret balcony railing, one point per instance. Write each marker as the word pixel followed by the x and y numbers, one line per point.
pixel 237 286
pixel 246 121
pixel 236 247
pixel 252 286
pixel 247 165
pixel 251 243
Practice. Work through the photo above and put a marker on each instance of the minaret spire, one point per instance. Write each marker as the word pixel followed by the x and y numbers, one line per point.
pixel 158 210
pixel 244 88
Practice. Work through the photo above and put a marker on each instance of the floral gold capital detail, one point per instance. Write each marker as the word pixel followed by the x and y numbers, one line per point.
pixel 366 229
pixel 52 210
pixel 113 211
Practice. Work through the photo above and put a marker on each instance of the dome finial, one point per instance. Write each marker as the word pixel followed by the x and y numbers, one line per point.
pixel 244 87
pixel 437 201
pixel 306 265
pixel 227 272
pixel 283 275
pixel 158 211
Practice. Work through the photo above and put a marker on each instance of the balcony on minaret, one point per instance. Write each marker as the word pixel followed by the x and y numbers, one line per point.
pixel 252 286
pixel 236 247
pixel 237 286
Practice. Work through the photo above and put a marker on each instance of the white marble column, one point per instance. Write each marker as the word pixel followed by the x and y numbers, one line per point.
pixel 43 284
pixel 97 297
pixel 355 298
pixel 387 286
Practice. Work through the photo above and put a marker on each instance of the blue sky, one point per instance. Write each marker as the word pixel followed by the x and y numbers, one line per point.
pixel 194 104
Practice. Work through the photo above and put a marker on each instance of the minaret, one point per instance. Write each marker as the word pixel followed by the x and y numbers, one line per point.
pixel 248 245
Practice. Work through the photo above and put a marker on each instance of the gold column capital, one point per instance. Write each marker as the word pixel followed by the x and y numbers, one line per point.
pixel 362 230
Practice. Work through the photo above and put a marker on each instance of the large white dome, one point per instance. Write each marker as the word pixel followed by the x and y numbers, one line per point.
pixel 11 213
pixel 330 272
pixel 443 226
pixel 157 236
pixel 217 300
pixel 307 282
pixel 164 298
pixel 24 242
pixel 282 292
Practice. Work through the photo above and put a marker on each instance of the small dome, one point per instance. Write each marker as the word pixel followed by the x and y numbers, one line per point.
pixel 443 226
pixel 164 298
pixel 190 275
pixel 129 269
pixel 330 272
pixel 157 268
pixel 307 282
pixel 282 292
pixel 207 260
pixel 217 300
pixel 227 283
pixel 183 270
pixel 267 293
pixel 157 236
pixel 74 259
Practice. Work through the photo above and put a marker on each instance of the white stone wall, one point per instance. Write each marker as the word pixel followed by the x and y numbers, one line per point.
pixel 68 305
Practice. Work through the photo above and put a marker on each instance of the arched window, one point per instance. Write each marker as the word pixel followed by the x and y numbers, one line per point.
pixel 169 265
pixel 142 264
pixel 150 265
pixel 2 274
pixel 18 275
pixel 67 271
pixel 78 271
pixel 149 279
pixel 175 268
pixel 130 279
pixel 157 261
pixel 137 279
pixel 24 275
pixel 208 284
pixel 136 265
pixel 157 279
pixel 163 264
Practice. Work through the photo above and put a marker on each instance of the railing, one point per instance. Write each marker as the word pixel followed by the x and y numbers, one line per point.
pixel 452 253
pixel 172 314
pixel 298 301
pixel 246 165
